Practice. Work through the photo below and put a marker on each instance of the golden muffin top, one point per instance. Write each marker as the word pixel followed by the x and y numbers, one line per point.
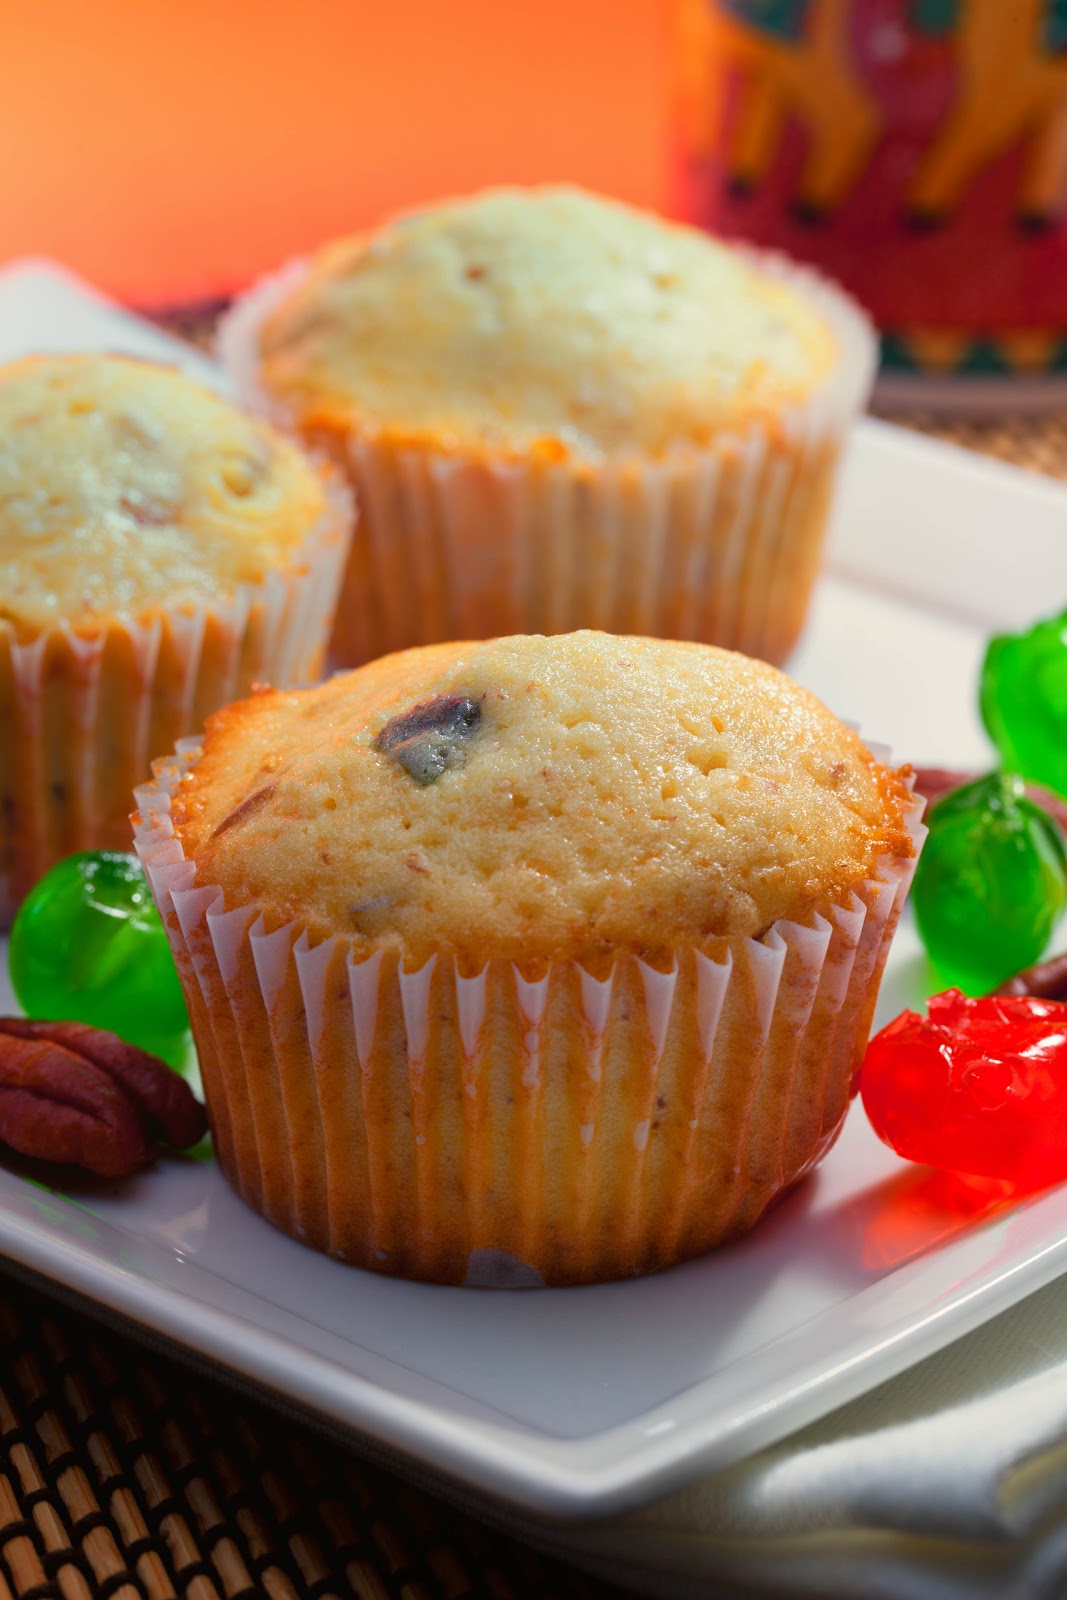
pixel 125 487
pixel 544 318
pixel 533 798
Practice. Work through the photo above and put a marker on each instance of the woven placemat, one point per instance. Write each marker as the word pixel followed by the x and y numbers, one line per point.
pixel 122 1475
pixel 1039 443
pixel 125 1477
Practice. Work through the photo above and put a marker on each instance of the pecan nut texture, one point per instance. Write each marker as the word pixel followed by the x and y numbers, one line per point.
pixel 1047 981
pixel 80 1096
pixel 57 1107
pixel 158 1094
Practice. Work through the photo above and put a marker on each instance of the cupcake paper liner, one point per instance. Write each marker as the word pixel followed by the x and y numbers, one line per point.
pixel 83 714
pixel 720 544
pixel 509 1127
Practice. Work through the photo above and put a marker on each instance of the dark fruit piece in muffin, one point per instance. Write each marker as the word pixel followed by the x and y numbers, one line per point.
pixel 432 737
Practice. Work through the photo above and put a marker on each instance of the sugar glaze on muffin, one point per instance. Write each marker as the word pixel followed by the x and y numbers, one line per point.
pixel 562 947
pixel 537 798
pixel 558 412
pixel 160 552
pixel 125 487
pixel 540 317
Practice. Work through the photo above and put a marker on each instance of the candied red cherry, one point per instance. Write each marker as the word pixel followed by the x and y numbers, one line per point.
pixel 978 1087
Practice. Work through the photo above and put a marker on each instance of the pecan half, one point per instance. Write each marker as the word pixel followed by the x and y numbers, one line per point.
pixel 1047 981
pixel 56 1106
pixel 157 1092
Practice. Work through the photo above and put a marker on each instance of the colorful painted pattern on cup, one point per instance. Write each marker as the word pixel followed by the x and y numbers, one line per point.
pixel 917 152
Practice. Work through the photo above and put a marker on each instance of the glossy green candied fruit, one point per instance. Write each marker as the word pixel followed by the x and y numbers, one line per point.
pixel 991 883
pixel 88 945
pixel 1023 697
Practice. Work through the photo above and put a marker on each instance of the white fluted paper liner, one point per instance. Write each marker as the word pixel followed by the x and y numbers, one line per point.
pixel 491 1127
pixel 720 544
pixel 88 712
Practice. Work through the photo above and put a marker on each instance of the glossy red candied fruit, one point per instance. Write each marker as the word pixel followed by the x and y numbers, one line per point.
pixel 980 1087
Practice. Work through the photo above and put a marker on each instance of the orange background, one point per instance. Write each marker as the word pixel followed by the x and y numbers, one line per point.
pixel 170 151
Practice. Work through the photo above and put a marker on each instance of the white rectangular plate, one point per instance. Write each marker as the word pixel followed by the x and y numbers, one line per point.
pixel 577 1402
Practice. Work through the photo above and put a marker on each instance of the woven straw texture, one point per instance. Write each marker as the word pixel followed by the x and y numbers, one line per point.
pixel 124 1477
pixel 1039 443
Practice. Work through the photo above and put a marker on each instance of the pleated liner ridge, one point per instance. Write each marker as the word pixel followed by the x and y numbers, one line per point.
pixel 720 543
pixel 87 712
pixel 582 1127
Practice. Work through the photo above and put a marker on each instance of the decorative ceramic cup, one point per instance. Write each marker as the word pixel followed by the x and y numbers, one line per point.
pixel 916 150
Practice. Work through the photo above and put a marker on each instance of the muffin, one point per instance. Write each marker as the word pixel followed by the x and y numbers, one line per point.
pixel 159 553
pixel 559 412
pixel 546 956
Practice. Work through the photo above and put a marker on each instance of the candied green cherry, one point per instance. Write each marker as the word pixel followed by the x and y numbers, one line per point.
pixel 1023 699
pixel 88 945
pixel 991 883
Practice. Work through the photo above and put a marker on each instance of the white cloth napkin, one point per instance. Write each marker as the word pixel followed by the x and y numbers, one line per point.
pixel 947 1483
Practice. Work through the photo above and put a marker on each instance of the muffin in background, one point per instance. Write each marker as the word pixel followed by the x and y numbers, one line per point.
pixel 559 412
pixel 159 553
pixel 551 956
